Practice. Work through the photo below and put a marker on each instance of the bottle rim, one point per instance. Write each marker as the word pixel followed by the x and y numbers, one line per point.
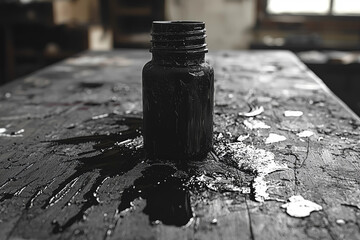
pixel 177 27
pixel 189 22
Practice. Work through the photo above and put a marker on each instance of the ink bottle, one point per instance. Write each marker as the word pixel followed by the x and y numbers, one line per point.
pixel 178 93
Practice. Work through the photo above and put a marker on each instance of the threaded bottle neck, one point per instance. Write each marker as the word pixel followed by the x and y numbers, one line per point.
pixel 182 42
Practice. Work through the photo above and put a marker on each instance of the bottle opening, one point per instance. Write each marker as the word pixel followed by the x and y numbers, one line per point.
pixel 178 37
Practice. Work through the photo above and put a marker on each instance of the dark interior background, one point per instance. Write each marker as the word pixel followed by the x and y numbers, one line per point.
pixel 34 34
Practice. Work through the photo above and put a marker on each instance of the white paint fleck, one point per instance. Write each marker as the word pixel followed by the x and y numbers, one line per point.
pixel 214 221
pixel 232 188
pixel 245 190
pixel 273 138
pixel 258 161
pixel 100 116
pixel 156 222
pixel 197 74
pixel 20 131
pixel 291 113
pixel 255 124
pixel 307 86
pixel 242 138
pixel 220 136
pixel 300 207
pixel 340 221
pixel 305 134
pixel 123 142
pixel 12 134
pixel 228 134
pixel 254 112
pixel 218 183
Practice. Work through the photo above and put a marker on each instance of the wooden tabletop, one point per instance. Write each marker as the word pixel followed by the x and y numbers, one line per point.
pixel 285 163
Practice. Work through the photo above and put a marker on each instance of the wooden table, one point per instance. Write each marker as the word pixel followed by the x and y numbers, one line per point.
pixel 72 164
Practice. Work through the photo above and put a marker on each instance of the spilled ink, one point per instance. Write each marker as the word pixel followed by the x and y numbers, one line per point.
pixel 167 198
pixel 119 153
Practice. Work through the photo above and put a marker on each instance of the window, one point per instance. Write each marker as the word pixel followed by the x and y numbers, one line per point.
pixel 314 7
pixel 298 7
pixel 346 7
pixel 309 15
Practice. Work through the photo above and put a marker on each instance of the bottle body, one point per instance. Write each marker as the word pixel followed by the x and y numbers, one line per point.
pixel 178 93
pixel 178 111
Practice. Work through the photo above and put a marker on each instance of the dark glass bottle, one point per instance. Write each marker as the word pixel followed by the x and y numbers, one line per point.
pixel 178 93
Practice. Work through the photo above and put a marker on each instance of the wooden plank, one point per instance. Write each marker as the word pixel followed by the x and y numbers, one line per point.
pixel 81 185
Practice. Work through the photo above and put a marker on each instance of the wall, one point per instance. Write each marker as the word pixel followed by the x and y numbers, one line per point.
pixel 78 11
pixel 228 22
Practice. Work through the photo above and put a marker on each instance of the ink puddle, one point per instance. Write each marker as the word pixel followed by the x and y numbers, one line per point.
pixel 167 198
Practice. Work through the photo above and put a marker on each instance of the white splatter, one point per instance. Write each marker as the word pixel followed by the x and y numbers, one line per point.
pixel 254 112
pixel 307 86
pixel 293 113
pixel 218 183
pixel 245 190
pixel 273 138
pixel 100 116
pixel 300 207
pixel 255 124
pixel 340 221
pixel 214 221
pixel 258 161
pixel 242 138
pixel 20 131
pixel 220 136
pixel 12 134
pixel 305 134
pixel 197 74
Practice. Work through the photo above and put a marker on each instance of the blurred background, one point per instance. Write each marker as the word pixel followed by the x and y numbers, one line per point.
pixel 325 34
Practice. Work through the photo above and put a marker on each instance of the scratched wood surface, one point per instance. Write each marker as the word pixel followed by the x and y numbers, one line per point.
pixel 67 170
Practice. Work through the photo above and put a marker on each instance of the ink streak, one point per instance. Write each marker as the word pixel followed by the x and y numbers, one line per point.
pixel 7 196
pixel 113 159
pixel 167 198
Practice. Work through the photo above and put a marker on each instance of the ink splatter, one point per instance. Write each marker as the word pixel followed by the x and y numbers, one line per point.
pixel 167 197
pixel 117 154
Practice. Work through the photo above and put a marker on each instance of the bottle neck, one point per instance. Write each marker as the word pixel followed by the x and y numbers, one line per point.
pixel 178 59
